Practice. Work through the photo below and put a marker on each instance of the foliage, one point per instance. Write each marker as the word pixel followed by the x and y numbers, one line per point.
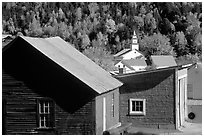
pixel 101 57
pixel 157 44
pixel 161 26
pixel 182 60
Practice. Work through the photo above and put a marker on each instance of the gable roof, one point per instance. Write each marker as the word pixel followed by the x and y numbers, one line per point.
pixel 4 36
pixel 163 60
pixel 121 52
pixel 125 51
pixel 73 61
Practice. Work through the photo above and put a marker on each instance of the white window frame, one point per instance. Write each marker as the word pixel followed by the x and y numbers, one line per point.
pixel 44 113
pixel 131 112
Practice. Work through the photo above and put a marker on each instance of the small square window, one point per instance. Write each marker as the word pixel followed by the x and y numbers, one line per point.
pixel 137 106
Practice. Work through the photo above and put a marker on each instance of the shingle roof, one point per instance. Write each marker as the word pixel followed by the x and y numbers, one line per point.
pixel 73 61
pixel 163 60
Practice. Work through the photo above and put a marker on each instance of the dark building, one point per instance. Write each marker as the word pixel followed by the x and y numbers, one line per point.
pixel 48 87
pixel 154 99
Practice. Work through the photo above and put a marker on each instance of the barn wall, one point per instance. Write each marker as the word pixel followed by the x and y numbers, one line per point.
pixel 21 112
pixel 158 88
pixel 111 120
pixel 28 75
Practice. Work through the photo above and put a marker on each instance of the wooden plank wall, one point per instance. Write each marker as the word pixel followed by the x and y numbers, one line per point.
pixel 21 112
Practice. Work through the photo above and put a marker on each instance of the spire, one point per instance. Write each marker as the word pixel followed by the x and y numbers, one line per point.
pixel 135 44
pixel 134 33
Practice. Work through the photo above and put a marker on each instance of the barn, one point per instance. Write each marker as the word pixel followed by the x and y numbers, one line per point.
pixel 48 87
pixel 155 98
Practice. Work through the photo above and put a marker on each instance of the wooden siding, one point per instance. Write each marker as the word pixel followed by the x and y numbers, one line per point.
pixel 21 112
pixel 110 119
pixel 158 88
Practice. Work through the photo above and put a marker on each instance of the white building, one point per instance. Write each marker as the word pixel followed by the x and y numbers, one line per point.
pixel 132 52
pixel 131 65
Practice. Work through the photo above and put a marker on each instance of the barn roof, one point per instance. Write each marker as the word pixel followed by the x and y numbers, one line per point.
pixel 163 60
pixel 73 61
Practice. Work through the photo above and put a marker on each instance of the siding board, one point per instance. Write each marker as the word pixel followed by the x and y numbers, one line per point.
pixel 21 111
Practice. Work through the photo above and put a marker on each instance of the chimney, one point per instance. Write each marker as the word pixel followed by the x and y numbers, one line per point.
pixel 135 44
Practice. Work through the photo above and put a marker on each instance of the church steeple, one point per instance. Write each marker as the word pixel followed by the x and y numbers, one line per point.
pixel 135 44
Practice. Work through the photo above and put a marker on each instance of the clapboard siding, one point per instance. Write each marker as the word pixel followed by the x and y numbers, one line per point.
pixel 21 112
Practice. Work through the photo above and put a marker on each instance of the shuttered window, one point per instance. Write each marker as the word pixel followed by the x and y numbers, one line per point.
pixel 45 113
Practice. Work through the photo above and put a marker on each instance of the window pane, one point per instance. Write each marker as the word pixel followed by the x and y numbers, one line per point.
pixel 141 103
pixel 46 109
pixel 46 103
pixel 137 108
pixel 141 108
pixel 42 121
pixel 133 106
pixel 47 121
pixel 137 103
pixel 41 108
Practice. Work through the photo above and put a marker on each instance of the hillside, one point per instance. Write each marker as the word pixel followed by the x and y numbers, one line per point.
pixel 102 29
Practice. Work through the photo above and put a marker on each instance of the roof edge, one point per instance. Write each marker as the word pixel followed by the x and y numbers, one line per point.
pixel 144 72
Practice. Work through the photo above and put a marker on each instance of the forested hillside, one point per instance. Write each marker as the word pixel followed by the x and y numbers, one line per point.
pixel 102 29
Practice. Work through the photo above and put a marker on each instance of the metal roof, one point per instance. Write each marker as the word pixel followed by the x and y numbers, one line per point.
pixel 163 60
pixel 73 61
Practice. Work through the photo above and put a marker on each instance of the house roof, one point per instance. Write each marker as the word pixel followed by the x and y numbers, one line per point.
pixel 148 71
pixel 6 36
pixel 73 61
pixel 121 52
pixel 124 51
pixel 163 60
pixel 134 62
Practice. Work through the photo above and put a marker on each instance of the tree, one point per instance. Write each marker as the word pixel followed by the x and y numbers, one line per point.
pixel 85 41
pixel 78 13
pixel 180 44
pixel 34 28
pixel 93 8
pixel 63 31
pixel 149 23
pixel 157 44
pixel 101 57
pixel 110 25
pixel 139 22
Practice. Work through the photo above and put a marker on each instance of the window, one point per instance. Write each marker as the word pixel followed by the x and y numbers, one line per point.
pixel 112 105
pixel 45 113
pixel 137 106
